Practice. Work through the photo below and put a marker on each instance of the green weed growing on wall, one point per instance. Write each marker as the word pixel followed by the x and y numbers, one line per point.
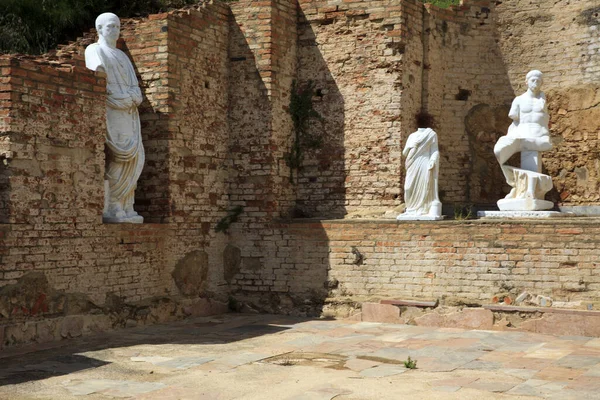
pixel 231 217
pixel 302 112
pixel 442 3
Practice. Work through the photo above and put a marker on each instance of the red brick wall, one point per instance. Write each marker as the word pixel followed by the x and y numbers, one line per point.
pixel 146 42
pixel 55 136
pixel 354 52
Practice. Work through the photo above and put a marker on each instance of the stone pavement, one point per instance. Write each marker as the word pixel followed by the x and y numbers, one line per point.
pixel 238 356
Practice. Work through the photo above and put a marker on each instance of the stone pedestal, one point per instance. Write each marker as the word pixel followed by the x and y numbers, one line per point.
pixel 522 214
pixel 136 219
pixel 527 204
pixel 409 217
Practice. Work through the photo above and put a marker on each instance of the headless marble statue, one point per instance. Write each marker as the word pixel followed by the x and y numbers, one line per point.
pixel 529 135
pixel 123 139
pixel 421 184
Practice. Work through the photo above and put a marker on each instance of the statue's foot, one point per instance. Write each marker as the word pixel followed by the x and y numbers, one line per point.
pixel 133 217
pixel 115 214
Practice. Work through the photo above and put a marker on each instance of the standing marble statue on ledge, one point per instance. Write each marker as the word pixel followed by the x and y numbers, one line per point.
pixel 421 184
pixel 123 137
pixel 529 135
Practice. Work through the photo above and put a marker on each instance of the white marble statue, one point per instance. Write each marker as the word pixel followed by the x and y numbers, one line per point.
pixel 123 138
pixel 421 184
pixel 529 135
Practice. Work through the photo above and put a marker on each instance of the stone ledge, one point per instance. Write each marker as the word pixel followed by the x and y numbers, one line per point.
pixel 488 317
pixel 541 310
pixel 411 303
pixel 570 220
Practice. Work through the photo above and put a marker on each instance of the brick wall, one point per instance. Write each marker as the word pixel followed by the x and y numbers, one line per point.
pixel 468 93
pixel 55 194
pixel 55 136
pixel 216 129
pixel 263 56
pixel 452 261
pixel 146 42
pixel 354 53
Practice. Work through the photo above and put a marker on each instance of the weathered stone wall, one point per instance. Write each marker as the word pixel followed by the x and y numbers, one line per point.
pixel 562 39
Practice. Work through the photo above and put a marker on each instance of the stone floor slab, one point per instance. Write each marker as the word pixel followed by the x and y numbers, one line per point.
pixel 383 371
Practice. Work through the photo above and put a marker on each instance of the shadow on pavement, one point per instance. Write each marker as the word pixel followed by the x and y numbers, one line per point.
pixel 32 363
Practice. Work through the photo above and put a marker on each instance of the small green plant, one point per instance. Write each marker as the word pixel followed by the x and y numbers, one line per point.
pixel 410 363
pixel 233 304
pixel 442 3
pixel 302 112
pixel 463 212
pixel 231 217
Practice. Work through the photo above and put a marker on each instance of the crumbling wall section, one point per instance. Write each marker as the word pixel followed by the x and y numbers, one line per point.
pixel 74 274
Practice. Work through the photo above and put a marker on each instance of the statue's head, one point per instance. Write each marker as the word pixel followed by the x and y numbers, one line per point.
pixel 108 26
pixel 534 80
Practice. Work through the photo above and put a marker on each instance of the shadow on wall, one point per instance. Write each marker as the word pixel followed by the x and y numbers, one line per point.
pixel 484 125
pixel 4 189
pixel 256 261
pixel 152 192
pixel 249 117
pixel 321 190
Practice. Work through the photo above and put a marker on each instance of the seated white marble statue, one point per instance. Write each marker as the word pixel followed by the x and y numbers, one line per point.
pixel 529 135
pixel 421 183
pixel 123 138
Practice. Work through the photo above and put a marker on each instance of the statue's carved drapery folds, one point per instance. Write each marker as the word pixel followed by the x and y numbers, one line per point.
pixel 529 135
pixel 123 137
pixel 422 168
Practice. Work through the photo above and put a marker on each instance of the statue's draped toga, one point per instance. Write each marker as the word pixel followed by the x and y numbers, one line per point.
pixel 123 139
